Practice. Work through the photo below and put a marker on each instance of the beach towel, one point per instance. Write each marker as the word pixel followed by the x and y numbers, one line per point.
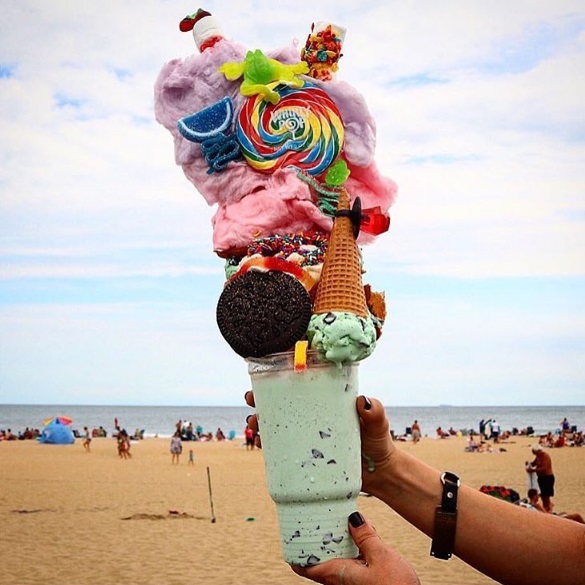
pixel 532 481
pixel 501 492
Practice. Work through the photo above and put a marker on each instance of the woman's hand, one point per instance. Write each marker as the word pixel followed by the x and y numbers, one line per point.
pixel 378 563
pixel 377 446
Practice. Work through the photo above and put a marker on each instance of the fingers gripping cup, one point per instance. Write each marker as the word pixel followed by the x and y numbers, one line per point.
pixel 312 453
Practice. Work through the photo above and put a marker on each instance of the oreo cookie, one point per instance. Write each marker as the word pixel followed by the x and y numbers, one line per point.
pixel 259 313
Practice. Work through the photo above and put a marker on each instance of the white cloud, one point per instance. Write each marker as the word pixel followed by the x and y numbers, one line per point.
pixel 479 114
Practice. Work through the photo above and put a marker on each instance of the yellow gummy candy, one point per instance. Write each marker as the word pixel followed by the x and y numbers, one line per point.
pixel 301 355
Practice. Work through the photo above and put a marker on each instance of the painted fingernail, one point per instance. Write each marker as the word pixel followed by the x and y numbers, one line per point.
pixel 367 403
pixel 356 519
pixel 248 418
pixel 246 394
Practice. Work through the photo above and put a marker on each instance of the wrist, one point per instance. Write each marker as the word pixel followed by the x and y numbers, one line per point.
pixel 400 475
pixel 377 472
pixel 409 486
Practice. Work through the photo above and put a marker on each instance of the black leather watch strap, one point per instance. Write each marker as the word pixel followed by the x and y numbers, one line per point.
pixel 446 518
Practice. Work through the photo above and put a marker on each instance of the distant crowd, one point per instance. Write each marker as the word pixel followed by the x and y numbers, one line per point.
pixel 566 435
pixel 184 431
pixel 187 432
pixel 490 431
pixel 28 433
pixel 8 435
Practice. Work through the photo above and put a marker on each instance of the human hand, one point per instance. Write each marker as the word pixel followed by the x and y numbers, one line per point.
pixel 377 445
pixel 377 564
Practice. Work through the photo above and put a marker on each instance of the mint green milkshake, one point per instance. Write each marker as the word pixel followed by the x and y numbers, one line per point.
pixel 311 444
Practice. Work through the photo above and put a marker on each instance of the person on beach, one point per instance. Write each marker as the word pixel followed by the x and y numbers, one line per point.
pixel 86 439
pixel 441 434
pixel 123 440
pixel 516 550
pixel 542 466
pixel 415 432
pixel 176 447
pixel 191 457
pixel 577 440
pixel 483 424
pixel 250 436
pixel 533 503
pixel 472 444
pixel 495 430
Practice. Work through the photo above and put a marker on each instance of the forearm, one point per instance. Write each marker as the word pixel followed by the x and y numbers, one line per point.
pixel 510 544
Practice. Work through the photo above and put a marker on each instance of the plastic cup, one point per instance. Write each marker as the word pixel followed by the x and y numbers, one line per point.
pixel 312 452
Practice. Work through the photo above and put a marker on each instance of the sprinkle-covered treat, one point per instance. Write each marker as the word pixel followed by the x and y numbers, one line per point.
pixel 286 152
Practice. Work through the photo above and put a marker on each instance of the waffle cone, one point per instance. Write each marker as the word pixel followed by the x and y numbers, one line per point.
pixel 340 288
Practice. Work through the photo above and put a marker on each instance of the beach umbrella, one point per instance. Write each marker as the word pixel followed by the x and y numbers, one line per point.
pixel 60 420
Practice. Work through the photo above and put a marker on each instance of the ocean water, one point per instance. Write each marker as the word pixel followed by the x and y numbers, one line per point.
pixel 161 420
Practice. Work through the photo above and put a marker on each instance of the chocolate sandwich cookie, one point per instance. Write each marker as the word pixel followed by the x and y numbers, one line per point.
pixel 259 313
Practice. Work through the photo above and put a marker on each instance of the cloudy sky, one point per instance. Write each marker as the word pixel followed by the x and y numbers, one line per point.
pixel 108 282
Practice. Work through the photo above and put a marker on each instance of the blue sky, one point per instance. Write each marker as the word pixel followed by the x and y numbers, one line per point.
pixel 108 283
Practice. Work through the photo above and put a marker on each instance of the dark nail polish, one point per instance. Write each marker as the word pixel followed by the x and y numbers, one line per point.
pixel 248 418
pixel 246 395
pixel 367 403
pixel 356 519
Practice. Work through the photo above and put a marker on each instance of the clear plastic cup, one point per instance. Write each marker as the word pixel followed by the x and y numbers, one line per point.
pixel 312 452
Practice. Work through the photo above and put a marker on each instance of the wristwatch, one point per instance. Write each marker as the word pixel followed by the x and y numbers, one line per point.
pixel 446 518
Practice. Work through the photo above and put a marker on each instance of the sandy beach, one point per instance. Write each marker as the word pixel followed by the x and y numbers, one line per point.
pixel 94 518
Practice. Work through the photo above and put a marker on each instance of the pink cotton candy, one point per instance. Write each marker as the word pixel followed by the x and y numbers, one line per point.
pixel 283 206
pixel 252 204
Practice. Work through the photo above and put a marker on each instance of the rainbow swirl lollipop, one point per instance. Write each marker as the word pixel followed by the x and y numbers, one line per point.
pixel 304 129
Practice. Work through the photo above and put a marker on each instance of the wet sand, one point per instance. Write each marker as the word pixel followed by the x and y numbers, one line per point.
pixel 93 518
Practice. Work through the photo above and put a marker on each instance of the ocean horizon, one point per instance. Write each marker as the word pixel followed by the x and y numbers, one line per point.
pixel 161 420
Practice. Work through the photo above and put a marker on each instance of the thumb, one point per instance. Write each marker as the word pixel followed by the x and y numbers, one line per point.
pixel 365 536
pixel 383 563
